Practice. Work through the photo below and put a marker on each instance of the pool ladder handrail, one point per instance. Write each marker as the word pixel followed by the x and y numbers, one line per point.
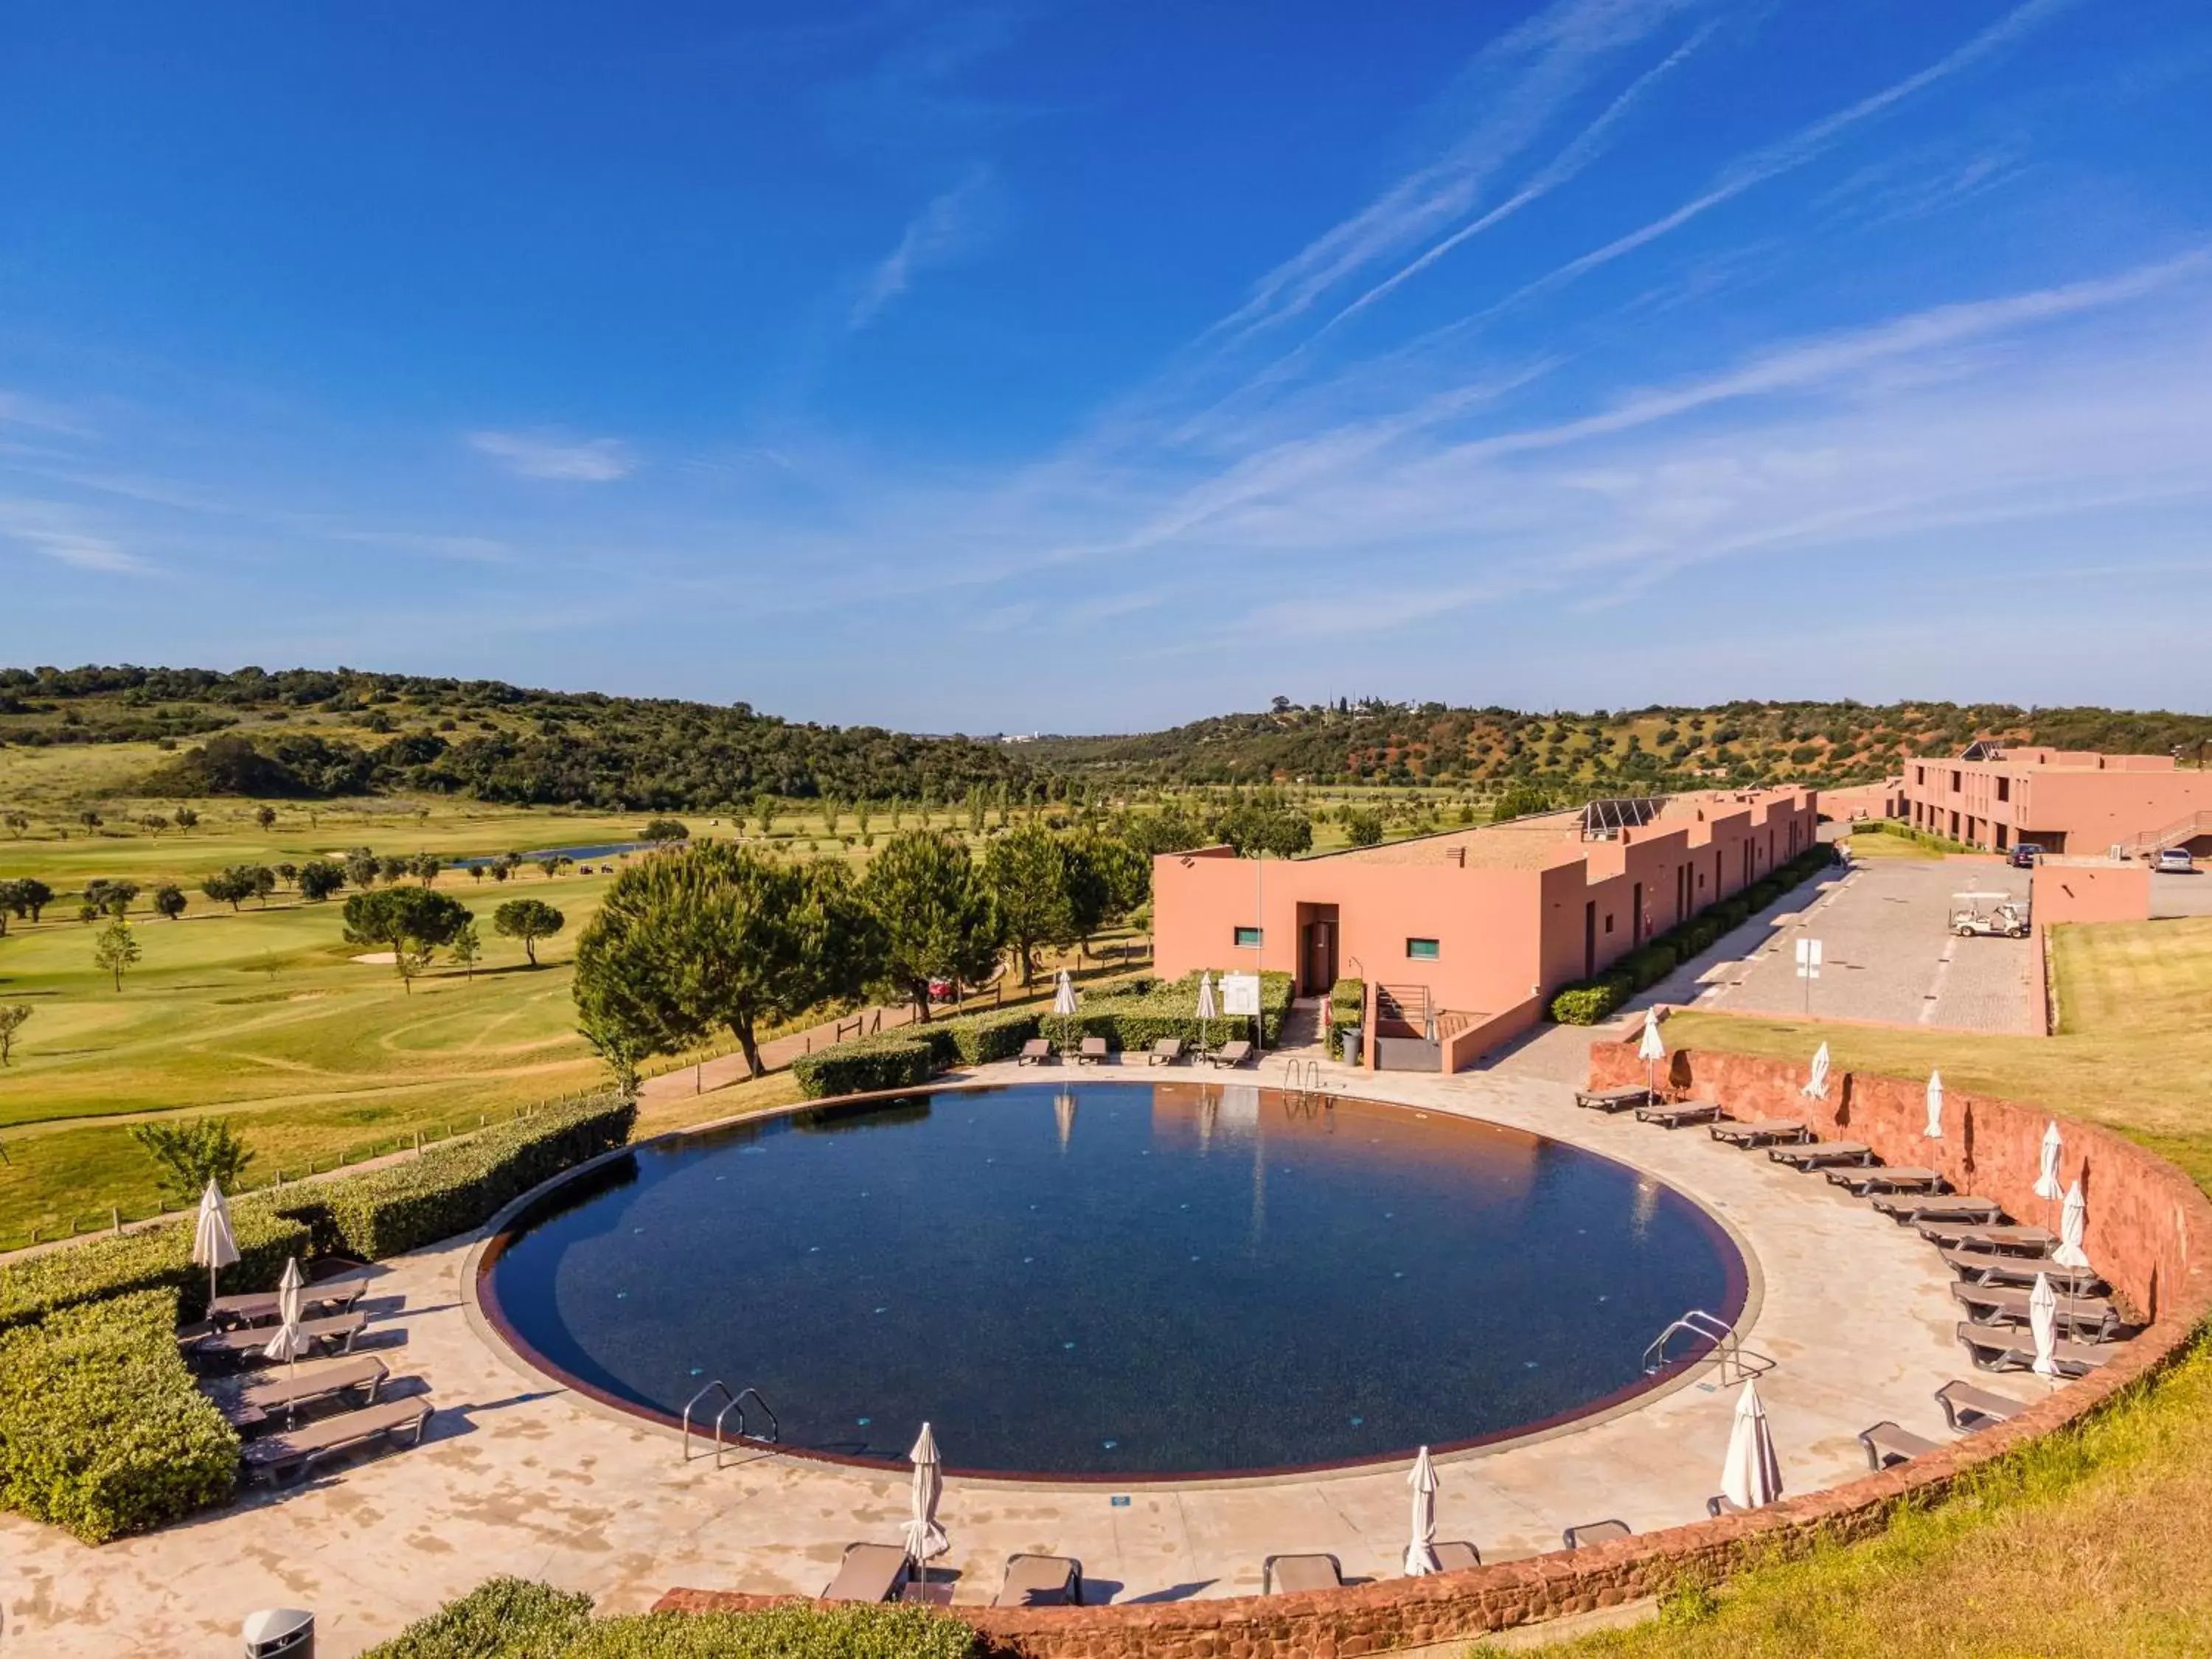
pixel 1727 1345
pixel 731 1402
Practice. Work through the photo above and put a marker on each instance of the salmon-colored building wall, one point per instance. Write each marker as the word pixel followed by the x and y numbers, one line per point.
pixel 2079 892
pixel 2064 801
pixel 1506 938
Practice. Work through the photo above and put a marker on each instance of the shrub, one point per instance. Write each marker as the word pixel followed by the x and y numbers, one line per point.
pixel 156 1258
pixel 978 1039
pixel 1171 1009
pixel 451 1189
pixel 514 1618
pixel 102 1430
pixel 1588 1002
pixel 1648 966
pixel 894 1060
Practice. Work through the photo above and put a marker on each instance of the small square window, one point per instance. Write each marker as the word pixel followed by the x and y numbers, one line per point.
pixel 1248 939
pixel 1608 922
pixel 1421 950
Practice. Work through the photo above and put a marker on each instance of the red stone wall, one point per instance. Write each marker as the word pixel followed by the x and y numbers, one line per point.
pixel 2147 1223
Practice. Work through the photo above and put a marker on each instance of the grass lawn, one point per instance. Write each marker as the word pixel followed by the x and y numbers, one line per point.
pixel 1877 845
pixel 2089 1543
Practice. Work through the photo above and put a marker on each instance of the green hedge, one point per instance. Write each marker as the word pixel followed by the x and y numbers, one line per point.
pixel 512 1619
pixel 894 1060
pixel 1347 1002
pixel 979 1039
pixel 1131 1022
pixel 102 1429
pixel 157 1258
pixel 1586 1002
pixel 462 1184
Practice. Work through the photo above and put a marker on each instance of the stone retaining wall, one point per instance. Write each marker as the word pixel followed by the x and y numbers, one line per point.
pixel 2148 1228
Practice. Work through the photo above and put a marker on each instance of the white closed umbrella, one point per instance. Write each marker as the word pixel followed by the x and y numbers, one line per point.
pixel 925 1538
pixel 214 1247
pixel 1816 1086
pixel 1652 1049
pixel 2073 1222
pixel 2043 1324
pixel 1935 1129
pixel 1063 999
pixel 1421 1552
pixel 1752 1477
pixel 289 1343
pixel 1208 1010
pixel 2046 1179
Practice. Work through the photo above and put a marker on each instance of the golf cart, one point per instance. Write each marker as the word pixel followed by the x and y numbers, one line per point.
pixel 1989 916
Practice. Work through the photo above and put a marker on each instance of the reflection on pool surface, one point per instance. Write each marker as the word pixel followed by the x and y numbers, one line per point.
pixel 1114 1280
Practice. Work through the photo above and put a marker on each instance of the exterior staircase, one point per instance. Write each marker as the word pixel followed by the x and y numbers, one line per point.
pixel 2173 835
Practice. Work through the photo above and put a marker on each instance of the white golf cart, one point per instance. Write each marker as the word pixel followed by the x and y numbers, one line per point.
pixel 1989 916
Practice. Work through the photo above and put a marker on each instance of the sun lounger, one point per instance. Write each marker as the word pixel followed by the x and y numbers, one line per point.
pixel 297 1449
pixel 1819 1154
pixel 1721 1503
pixel 1966 1407
pixel 1595 1532
pixel 1281 1574
pixel 244 1346
pixel 1036 1052
pixel 2028 1241
pixel 328 1296
pixel 265 1400
pixel 1910 1209
pixel 1092 1053
pixel 1456 1557
pixel 1232 1054
pixel 1679 1115
pixel 1886 1443
pixel 868 1572
pixel 1866 1182
pixel 1614 1100
pixel 1987 1267
pixel 1760 1131
pixel 2008 1348
pixel 1041 1581
pixel 2091 1317
pixel 1166 1052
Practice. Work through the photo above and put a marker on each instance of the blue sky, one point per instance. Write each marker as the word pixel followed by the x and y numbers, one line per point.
pixel 1089 367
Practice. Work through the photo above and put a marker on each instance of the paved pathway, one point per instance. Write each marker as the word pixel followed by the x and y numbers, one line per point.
pixel 519 1475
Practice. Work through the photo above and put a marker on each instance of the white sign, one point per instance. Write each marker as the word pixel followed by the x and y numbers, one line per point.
pixel 1809 958
pixel 1240 993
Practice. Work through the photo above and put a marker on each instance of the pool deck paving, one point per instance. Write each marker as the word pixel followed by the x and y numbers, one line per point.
pixel 519 1474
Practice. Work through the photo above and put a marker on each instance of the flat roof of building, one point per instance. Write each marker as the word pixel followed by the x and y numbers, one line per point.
pixel 1544 839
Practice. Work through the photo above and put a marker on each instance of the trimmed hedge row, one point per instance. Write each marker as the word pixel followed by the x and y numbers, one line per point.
pixel 514 1618
pixel 1587 1001
pixel 102 1429
pixel 452 1188
pixel 1347 1002
pixel 1131 1021
pixel 159 1258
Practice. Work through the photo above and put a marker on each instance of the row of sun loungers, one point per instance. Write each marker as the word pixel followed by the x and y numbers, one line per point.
pixel 884 1572
pixel 1168 1051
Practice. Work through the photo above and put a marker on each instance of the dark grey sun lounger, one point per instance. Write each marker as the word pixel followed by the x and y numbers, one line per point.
pixel 1595 1532
pixel 1886 1443
pixel 244 1346
pixel 2008 1348
pixel 2092 1317
pixel 1957 1234
pixel 335 1295
pixel 1614 1100
pixel 1679 1115
pixel 1166 1052
pixel 266 1399
pixel 297 1449
pixel 1041 1581
pixel 868 1572
pixel 1819 1154
pixel 1987 1267
pixel 1036 1052
pixel 1760 1131
pixel 1910 1209
pixel 1966 1407
pixel 1281 1574
pixel 1232 1054
pixel 1456 1557
pixel 1884 1178
pixel 1093 1052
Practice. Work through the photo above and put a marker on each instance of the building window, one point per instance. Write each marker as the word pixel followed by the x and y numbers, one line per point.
pixel 2004 788
pixel 1608 922
pixel 1248 939
pixel 1955 782
pixel 1920 774
pixel 1421 950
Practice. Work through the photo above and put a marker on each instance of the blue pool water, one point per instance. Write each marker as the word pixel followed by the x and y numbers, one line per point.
pixel 1114 1280
pixel 605 849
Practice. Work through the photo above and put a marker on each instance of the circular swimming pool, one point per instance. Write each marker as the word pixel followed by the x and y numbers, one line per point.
pixel 1113 1281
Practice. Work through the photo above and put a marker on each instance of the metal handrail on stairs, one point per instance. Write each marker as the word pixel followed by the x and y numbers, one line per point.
pixel 1726 1344
pixel 731 1402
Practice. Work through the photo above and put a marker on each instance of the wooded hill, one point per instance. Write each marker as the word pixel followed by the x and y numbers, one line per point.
pixel 343 731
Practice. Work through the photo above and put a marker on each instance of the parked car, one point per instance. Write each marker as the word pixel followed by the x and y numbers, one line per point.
pixel 2174 861
pixel 2024 855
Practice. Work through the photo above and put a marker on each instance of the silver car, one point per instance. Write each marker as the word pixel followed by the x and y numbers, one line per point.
pixel 2175 862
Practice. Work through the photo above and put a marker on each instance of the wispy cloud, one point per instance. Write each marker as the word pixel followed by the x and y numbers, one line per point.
pixel 940 233
pixel 50 530
pixel 545 455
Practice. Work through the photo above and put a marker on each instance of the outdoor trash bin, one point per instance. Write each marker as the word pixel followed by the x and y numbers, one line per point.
pixel 1351 1050
pixel 289 1632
